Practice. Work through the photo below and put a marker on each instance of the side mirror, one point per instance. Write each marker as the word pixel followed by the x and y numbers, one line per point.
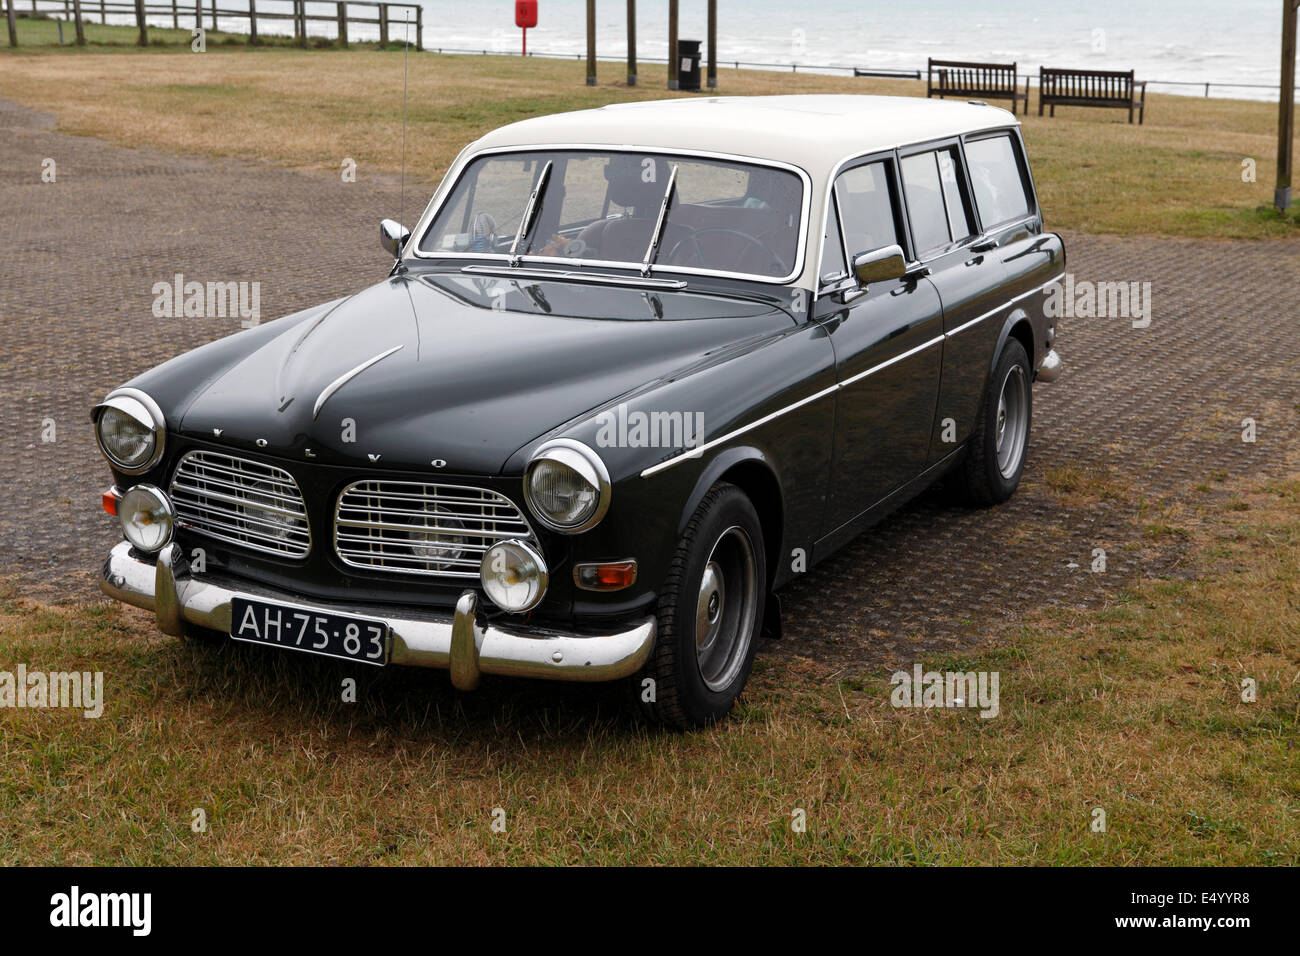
pixel 880 265
pixel 393 236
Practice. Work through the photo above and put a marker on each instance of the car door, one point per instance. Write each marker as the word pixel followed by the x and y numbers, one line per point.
pixel 945 235
pixel 1008 213
pixel 886 338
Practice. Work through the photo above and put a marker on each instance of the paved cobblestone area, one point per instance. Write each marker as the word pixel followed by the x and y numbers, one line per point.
pixel 1150 416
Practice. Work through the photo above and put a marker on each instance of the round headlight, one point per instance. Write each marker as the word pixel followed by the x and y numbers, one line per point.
pixel 129 429
pixel 566 486
pixel 514 575
pixel 146 516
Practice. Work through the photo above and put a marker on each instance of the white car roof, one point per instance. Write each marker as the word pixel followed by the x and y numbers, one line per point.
pixel 814 132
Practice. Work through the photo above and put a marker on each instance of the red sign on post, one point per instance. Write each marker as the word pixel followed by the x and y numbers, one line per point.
pixel 525 17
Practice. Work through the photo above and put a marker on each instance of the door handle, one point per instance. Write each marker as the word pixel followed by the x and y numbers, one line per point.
pixel 984 245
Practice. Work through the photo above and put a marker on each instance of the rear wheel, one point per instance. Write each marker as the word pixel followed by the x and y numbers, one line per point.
pixel 710 613
pixel 996 451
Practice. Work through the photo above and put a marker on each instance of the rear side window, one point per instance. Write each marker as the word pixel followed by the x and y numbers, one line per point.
pixel 935 204
pixel 867 208
pixel 996 180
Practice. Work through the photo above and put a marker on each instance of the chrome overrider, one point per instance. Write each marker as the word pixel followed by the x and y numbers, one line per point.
pixel 458 642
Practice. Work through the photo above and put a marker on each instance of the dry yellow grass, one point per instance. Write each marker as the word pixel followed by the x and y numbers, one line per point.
pixel 1180 174
pixel 1135 709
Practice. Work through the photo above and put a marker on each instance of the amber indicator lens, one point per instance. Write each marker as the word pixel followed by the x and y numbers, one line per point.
pixel 608 576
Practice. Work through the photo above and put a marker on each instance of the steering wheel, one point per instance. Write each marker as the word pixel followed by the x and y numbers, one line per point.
pixel 696 252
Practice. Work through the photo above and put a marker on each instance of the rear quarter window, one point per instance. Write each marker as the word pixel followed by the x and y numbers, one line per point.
pixel 996 179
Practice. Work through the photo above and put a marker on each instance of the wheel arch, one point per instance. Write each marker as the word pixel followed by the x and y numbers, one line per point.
pixel 751 471
pixel 1018 326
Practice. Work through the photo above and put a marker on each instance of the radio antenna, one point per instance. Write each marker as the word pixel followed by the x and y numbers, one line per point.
pixel 406 56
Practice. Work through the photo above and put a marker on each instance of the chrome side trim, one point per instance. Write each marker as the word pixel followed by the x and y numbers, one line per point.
pixel 897 358
pixel 419 638
pixel 980 318
pixel 697 452
pixel 346 377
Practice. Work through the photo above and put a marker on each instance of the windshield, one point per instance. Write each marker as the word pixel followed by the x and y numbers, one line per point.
pixel 592 207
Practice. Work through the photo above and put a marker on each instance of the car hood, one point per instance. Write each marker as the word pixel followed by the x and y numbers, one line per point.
pixel 459 372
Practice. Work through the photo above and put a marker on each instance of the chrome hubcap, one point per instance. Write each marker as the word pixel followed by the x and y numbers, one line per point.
pixel 1012 429
pixel 726 609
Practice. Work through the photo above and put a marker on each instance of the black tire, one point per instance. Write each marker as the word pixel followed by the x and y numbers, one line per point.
pixel 982 478
pixel 672 687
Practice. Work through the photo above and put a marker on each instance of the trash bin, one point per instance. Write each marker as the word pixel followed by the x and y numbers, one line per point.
pixel 688 65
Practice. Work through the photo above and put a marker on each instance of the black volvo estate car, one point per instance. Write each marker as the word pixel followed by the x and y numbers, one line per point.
pixel 633 369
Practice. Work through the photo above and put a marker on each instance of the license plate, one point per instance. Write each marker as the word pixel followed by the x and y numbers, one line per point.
pixel 331 635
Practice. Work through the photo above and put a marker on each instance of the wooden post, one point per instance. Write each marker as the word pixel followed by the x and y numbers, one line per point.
pixel 81 28
pixel 252 22
pixel 419 28
pixel 631 42
pixel 139 19
pixel 301 12
pixel 198 13
pixel 13 24
pixel 383 25
pixel 343 23
pixel 1286 107
pixel 176 16
pixel 591 42
pixel 214 16
pixel 672 44
pixel 103 11
pixel 713 44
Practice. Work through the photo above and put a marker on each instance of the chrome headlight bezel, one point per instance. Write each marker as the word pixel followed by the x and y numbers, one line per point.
pixel 580 459
pixel 141 407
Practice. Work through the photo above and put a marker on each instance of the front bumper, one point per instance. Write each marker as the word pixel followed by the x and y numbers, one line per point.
pixel 457 642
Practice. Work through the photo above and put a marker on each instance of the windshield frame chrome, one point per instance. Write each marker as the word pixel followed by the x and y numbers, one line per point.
pixel 572 263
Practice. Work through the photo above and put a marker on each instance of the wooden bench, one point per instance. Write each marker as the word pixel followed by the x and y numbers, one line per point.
pixel 991 81
pixel 1114 88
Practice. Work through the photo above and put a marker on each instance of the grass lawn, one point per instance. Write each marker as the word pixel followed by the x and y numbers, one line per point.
pixel 1135 710
pixel 1180 174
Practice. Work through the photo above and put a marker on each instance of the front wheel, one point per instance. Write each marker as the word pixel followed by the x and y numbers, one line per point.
pixel 995 457
pixel 710 614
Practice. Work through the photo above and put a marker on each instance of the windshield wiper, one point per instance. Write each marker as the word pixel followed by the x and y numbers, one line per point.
pixel 655 238
pixel 530 212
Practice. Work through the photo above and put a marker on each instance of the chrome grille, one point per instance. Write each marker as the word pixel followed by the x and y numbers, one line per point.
pixel 242 502
pixel 411 527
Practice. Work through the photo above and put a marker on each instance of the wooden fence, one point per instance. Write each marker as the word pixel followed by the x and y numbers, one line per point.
pixel 188 14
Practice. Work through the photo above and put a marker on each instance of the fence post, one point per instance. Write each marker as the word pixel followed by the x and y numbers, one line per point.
pixel 198 13
pixel 103 11
pixel 383 25
pixel 81 29
pixel 252 22
pixel 139 19
pixel 176 16
pixel 713 45
pixel 343 23
pixel 67 9
pixel 419 28
pixel 214 16
pixel 13 25
pixel 302 17
pixel 673 65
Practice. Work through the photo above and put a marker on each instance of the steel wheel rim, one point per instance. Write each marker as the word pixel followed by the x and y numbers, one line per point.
pixel 725 609
pixel 1012 424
